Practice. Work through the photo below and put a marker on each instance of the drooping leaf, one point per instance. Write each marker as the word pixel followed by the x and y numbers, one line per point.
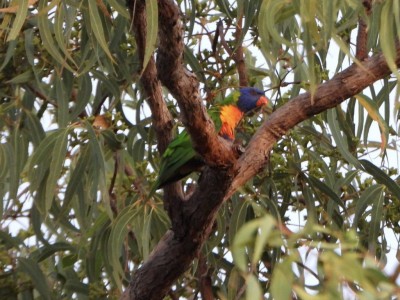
pixel 57 162
pixel 373 112
pixel 32 269
pixel 340 141
pixel 97 28
pixel 151 31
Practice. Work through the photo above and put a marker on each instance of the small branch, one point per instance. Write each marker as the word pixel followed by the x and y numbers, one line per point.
pixel 362 35
pixel 204 278
pixel 236 55
pixel 112 184
pixel 239 56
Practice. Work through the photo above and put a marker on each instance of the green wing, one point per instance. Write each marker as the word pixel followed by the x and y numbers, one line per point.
pixel 178 160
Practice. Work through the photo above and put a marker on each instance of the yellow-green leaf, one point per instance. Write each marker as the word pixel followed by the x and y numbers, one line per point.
pixel 373 112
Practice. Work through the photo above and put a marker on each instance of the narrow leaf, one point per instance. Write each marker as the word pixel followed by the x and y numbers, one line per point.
pixel 46 35
pixel 97 27
pixel 31 268
pixel 151 31
pixel 340 141
pixel 19 21
pixel 367 198
pixel 373 112
pixel 57 163
pixel 381 177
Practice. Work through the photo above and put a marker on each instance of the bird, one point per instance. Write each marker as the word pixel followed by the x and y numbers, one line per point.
pixel 180 159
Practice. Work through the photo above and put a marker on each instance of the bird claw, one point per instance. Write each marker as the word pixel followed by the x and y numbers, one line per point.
pixel 238 149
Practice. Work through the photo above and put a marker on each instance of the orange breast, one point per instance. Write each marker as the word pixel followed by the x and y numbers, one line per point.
pixel 230 116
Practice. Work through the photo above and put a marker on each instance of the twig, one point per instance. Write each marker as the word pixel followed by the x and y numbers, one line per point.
pixel 362 35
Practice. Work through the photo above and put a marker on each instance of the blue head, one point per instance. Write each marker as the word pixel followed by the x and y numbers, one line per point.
pixel 251 98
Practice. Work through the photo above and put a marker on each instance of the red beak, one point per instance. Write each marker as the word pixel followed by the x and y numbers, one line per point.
pixel 262 101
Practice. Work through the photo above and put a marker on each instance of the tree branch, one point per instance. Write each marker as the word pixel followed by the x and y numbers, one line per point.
pixel 329 94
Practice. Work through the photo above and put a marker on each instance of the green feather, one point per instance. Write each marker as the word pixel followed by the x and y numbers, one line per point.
pixel 178 160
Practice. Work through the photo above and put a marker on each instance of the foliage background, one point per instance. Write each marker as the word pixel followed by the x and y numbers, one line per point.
pixel 78 154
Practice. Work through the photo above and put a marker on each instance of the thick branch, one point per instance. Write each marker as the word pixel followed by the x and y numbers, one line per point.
pixel 330 94
pixel 184 86
pixel 162 120
pixel 173 255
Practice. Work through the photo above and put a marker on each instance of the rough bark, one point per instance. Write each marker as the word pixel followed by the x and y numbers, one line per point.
pixel 175 252
pixel 362 35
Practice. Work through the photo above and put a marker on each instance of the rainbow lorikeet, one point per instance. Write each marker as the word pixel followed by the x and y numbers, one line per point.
pixel 180 159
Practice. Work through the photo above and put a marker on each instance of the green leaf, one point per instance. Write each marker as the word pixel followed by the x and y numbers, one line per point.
pixel 62 100
pixel 57 162
pixel 381 177
pixel 121 9
pixel 151 31
pixel 32 269
pixel 34 128
pixel 367 197
pixel 22 78
pixel 267 19
pixel 257 231
pixel 253 290
pixel 375 227
pixel 97 27
pixel 237 219
pixel 340 141
pixel 387 37
pixel 118 233
pixel 40 160
pixel 75 179
pixel 315 183
pixel 83 97
pixel 146 232
pixel 47 251
pixel 19 21
pixel 9 54
pixel 267 224
pixel 62 28
pixel 224 5
pixel 282 280
pixel 97 168
pixel 45 29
